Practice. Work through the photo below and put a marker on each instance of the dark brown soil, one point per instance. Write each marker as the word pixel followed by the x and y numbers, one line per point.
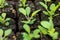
pixel 17 26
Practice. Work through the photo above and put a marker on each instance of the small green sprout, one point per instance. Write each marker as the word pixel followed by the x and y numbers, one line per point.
pixel 5 33
pixel 47 28
pixel 2 3
pixel 28 35
pixel 4 20
pixel 26 13
pixel 51 13
pixel 23 3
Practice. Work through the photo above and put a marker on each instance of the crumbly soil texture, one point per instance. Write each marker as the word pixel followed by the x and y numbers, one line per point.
pixel 16 17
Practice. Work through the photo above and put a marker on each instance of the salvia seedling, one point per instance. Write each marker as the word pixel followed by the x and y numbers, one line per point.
pixel 5 33
pixel 26 13
pixel 47 28
pixel 22 3
pixel 51 13
pixel 2 3
pixel 28 35
pixel 4 20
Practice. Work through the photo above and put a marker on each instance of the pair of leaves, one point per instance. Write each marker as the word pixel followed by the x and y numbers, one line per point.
pixel 2 3
pixel 7 32
pixel 52 7
pixel 4 16
pixel 25 12
pixel 29 21
pixel 35 33
pixel 23 2
pixel 4 20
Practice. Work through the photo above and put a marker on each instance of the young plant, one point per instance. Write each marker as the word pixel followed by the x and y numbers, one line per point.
pixel 28 35
pixel 26 13
pixel 5 33
pixel 22 3
pixel 47 28
pixel 2 3
pixel 51 13
pixel 4 20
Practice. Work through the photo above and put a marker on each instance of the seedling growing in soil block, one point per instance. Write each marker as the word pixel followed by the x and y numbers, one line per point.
pixel 5 33
pixel 47 28
pixel 26 13
pixel 51 13
pixel 4 20
pixel 28 35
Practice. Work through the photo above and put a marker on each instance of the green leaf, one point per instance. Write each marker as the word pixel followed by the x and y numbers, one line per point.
pixel 7 23
pixel 24 1
pixel 26 22
pixel 45 12
pixel 1 18
pixel 8 32
pixel 44 5
pixel 27 28
pixel 43 30
pixel 56 7
pixel 51 31
pixel 47 0
pixel 3 15
pixel 22 10
pixel 1 32
pixel 59 3
pixel 45 24
pixel 26 36
pixel 28 11
pixel 34 13
pixel 20 5
pixel 32 21
pixel 36 33
pixel 51 23
pixel 52 7
pixel 56 15
pixel 2 3
pixel 55 35
pixel 7 19
pixel 1 38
